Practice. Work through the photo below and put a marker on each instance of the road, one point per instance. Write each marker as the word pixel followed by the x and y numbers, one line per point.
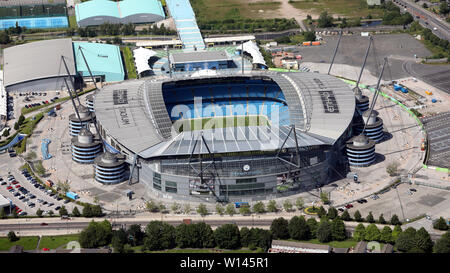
pixel 426 19
pixel 265 223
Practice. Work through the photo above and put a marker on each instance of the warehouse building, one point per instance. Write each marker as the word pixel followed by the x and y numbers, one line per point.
pixel 104 61
pixel 38 66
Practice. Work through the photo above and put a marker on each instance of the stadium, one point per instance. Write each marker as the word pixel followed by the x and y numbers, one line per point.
pixel 228 137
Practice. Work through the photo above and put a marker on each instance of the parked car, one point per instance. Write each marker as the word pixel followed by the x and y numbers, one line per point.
pixel 15 182
pixel 9 188
pixel 57 208
pixel 414 190
pixel 349 206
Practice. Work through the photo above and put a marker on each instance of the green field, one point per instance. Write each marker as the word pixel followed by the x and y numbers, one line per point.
pixel 233 9
pixel 53 242
pixel 129 62
pixel 220 122
pixel 28 243
pixel 346 8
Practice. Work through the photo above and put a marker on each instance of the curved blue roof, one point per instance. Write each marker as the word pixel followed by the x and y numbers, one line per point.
pixel 132 7
pixel 96 8
pixel 118 10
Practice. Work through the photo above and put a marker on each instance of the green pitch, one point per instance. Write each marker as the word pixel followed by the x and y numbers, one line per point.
pixel 220 122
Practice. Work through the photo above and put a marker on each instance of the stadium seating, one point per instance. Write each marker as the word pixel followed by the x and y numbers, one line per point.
pixel 220 100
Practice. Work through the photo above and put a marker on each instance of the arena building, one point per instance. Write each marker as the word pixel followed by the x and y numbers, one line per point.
pixel 38 66
pixel 97 12
pixel 227 137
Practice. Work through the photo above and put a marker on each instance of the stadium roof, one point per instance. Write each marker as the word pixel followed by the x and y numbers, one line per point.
pixel 37 60
pixel 141 57
pixel 320 106
pixel 251 48
pixel 103 59
pixel 96 12
pixel 232 139
pixel 3 202
pixel 199 56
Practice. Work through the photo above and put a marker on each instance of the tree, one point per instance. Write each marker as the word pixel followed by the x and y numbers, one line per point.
pixel 187 209
pixel 321 212
pixel 309 35
pixel 298 228
pixel 50 213
pixel 395 221
pixel 346 216
pixel 406 240
pixel 272 206
pixel 194 235
pixel 151 206
pixel 16 126
pixel 227 236
pixel 357 216
pixel 219 209
pixel 12 236
pixel 230 210
pixel 5 133
pixel 324 233
pixel 423 240
pixel 386 235
pixel 381 219
pixel 279 228
pixel 76 212
pixel 21 120
pixel 245 210
pixel 444 8
pixel 338 232
pixel 392 168
pixel 324 197
pixel 97 211
pixel 39 212
pixel 287 205
pixel 370 218
pixel 299 203
pixel 63 211
pixel 259 207
pixel 260 238
pixel 63 186
pixel 424 5
pixel 135 235
pixel 245 236
pixel 4 38
pixel 332 213
pixel 159 235
pixel 440 224
pixel 396 232
pixel 202 210
pixel 325 20
pixel 372 233
pixel 360 233
pixel 118 241
pixel 312 226
pixel 175 208
pixel 443 244
pixel 97 234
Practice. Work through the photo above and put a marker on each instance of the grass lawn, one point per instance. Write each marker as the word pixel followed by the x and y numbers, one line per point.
pixel 28 243
pixel 339 244
pixel 53 242
pixel 73 21
pixel 222 122
pixel 233 9
pixel 347 8
pixel 129 62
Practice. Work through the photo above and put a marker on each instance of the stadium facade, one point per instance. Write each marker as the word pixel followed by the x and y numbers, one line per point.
pixel 229 137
